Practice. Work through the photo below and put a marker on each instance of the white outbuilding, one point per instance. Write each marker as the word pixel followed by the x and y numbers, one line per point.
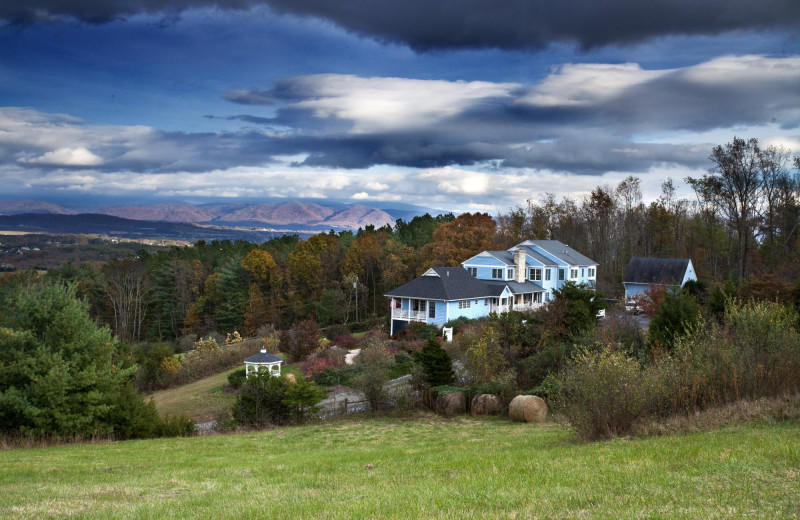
pixel 263 361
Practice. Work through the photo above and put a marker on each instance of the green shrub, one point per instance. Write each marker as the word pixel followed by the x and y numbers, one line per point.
pixel 419 330
pixel 604 393
pixel 755 353
pixel 236 379
pixel 337 376
pixel 403 363
pixel 302 397
pixel 177 426
pixel 677 311
pixel 261 402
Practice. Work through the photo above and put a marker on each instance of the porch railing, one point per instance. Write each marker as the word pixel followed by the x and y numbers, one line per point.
pixel 401 314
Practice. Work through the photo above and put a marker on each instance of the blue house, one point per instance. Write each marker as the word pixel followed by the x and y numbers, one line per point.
pixel 642 272
pixel 520 278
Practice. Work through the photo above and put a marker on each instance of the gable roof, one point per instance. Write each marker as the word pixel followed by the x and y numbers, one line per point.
pixel 665 271
pixel 443 283
pixel 538 256
pixel 561 251
pixel 504 256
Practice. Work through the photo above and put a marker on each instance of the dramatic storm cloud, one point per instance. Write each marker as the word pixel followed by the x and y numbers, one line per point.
pixel 580 118
pixel 451 24
pixel 459 105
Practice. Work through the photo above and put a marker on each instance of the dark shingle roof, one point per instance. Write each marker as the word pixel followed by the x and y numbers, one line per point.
pixel 262 357
pixel 452 283
pixel 656 270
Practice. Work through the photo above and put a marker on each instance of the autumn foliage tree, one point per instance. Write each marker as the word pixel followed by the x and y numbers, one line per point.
pixel 463 237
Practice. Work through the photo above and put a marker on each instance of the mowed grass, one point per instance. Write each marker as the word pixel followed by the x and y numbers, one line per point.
pixel 203 399
pixel 422 468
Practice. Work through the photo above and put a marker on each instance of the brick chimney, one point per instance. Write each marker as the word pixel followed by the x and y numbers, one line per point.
pixel 519 261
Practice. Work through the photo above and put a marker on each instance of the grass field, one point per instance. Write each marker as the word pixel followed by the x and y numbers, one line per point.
pixel 422 468
pixel 203 399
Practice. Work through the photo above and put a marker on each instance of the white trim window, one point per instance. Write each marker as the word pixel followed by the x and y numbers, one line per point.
pixel 510 274
pixel 473 271
pixel 463 304
pixel 497 274
pixel 573 274
pixel 561 274
pixel 547 275
pixel 537 297
pixel 535 274
pixel 591 272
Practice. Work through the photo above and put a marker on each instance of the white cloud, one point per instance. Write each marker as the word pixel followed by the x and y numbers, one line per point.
pixel 389 104
pixel 67 157
pixel 587 84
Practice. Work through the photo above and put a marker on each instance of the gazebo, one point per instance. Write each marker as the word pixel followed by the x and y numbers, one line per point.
pixel 265 361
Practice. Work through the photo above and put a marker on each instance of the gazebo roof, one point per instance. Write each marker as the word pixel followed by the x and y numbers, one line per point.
pixel 263 357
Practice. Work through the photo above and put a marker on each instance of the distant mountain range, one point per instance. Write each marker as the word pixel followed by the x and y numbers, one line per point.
pixel 107 225
pixel 293 214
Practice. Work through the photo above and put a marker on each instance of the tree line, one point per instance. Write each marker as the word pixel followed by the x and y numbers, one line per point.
pixel 742 222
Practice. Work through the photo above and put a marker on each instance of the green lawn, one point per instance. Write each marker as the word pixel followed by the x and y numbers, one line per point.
pixel 421 468
pixel 203 399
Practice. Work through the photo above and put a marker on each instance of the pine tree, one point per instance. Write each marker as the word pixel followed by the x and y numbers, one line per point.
pixel 436 363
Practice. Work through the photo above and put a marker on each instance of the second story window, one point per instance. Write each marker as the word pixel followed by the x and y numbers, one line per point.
pixel 547 275
pixel 573 274
pixel 473 271
pixel 510 274
pixel 497 273
pixel 561 274
pixel 535 275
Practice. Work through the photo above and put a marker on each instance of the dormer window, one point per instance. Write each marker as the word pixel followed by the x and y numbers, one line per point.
pixel 497 274
pixel 473 271
pixel 510 274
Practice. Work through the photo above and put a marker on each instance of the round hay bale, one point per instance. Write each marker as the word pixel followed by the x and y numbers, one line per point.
pixel 486 404
pixel 451 404
pixel 527 408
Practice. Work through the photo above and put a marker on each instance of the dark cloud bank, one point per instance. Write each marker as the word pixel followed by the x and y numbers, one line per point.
pixel 451 24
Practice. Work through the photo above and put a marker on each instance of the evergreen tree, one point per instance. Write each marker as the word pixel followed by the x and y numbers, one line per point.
pixel 678 310
pixel 436 363
pixel 57 370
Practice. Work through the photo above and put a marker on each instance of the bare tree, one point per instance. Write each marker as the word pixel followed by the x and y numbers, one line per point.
pixel 127 288
pixel 737 185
